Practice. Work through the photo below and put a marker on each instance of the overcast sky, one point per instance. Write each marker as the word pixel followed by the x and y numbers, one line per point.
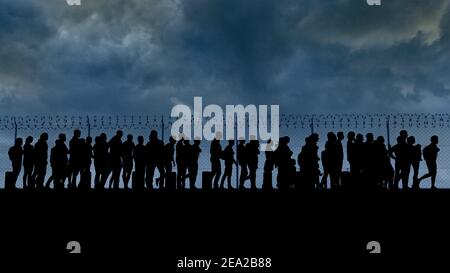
pixel 136 56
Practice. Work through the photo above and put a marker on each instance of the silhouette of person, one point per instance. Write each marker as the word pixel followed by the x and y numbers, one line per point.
pixel 351 150
pixel 292 171
pixel 430 154
pixel 228 157
pixel 169 150
pixel 403 134
pixel 127 155
pixel 383 171
pixel 115 156
pixel 329 161
pixel 15 154
pixel 28 162
pixel 242 161
pixel 168 158
pixel 252 150
pixel 74 161
pixel 194 154
pixel 181 159
pixel 54 165
pixel 86 161
pixel 41 157
pixel 58 163
pixel 283 163
pixel 87 155
pixel 82 183
pixel 369 173
pixel 399 153
pixel 140 155
pixel 268 166
pixel 63 157
pixel 186 149
pixel 414 156
pixel 97 163
pixel 358 156
pixel 402 166
pixel 326 167
pixel 216 154
pixel 308 161
pixel 378 161
pixel 339 158
pixel 155 150
pixel 101 161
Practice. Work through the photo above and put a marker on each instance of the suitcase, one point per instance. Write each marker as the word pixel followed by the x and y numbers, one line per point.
pixel 206 181
pixel 10 181
pixel 170 181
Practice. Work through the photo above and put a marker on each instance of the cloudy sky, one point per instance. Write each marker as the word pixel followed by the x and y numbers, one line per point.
pixel 135 56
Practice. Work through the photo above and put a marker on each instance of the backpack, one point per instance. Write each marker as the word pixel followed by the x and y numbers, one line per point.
pixel 427 153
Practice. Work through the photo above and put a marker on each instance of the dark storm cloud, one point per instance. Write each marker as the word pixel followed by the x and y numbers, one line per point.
pixel 110 56
pixel 357 25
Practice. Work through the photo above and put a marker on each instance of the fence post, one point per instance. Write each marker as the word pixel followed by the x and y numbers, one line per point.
pixel 15 129
pixel 162 127
pixel 237 160
pixel 88 126
pixel 388 136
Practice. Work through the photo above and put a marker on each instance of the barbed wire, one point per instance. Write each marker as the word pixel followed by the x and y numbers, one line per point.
pixel 342 121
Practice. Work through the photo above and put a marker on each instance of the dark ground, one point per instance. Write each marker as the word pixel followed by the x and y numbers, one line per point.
pixel 151 230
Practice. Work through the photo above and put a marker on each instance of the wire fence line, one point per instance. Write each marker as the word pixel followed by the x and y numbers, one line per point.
pixel 297 126
pixel 349 121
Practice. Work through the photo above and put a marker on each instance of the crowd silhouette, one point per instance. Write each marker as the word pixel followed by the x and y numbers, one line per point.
pixel 369 161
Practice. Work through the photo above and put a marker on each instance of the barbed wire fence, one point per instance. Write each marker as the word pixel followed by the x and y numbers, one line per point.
pixel 296 126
